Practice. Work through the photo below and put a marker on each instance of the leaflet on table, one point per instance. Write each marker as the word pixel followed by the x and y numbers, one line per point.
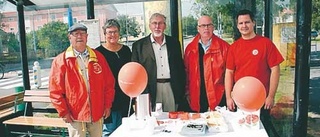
pixel 194 129
pixel 216 122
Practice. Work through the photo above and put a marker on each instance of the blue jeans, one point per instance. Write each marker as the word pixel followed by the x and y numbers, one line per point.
pixel 107 129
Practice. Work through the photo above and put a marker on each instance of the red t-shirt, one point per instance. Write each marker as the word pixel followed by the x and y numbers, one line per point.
pixel 254 57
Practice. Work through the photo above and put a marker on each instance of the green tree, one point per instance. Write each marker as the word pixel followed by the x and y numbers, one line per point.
pixel 9 41
pixel 52 38
pixel 8 44
pixel 189 25
pixel 32 43
pixel 128 26
pixel 12 43
pixel 315 22
pixel 227 12
pixel 221 12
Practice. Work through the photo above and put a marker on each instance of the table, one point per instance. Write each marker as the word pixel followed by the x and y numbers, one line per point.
pixel 230 117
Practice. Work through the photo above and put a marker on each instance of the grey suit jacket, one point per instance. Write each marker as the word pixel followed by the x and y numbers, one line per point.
pixel 142 52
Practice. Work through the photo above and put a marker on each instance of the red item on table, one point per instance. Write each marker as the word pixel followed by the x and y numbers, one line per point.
pixel 195 116
pixel 173 115
pixel 184 116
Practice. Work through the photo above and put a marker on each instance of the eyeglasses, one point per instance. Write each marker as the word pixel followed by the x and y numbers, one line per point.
pixel 76 34
pixel 157 23
pixel 112 32
pixel 206 25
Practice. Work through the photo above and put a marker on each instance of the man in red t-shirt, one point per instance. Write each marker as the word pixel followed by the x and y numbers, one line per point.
pixel 252 55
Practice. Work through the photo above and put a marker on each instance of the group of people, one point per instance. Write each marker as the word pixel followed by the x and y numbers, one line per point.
pixel 85 91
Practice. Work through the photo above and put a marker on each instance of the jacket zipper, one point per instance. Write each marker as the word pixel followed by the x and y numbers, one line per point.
pixel 86 79
pixel 89 95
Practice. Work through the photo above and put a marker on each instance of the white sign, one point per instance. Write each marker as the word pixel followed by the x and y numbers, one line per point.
pixel 93 26
pixel 288 34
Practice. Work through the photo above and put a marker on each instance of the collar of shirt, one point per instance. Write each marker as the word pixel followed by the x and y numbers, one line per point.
pixel 154 41
pixel 205 46
pixel 83 54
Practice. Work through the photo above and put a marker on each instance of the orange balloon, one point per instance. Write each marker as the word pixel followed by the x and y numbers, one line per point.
pixel 132 79
pixel 249 94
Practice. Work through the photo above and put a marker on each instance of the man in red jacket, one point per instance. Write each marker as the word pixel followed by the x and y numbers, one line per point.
pixel 205 59
pixel 81 85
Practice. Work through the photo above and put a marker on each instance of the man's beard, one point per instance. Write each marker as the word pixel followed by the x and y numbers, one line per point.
pixel 157 34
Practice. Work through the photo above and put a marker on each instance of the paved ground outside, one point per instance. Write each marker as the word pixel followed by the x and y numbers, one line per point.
pixel 13 72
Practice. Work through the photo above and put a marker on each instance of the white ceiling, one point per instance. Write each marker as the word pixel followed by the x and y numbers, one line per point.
pixel 49 4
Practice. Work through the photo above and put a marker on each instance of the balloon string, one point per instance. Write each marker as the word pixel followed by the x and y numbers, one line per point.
pixel 129 106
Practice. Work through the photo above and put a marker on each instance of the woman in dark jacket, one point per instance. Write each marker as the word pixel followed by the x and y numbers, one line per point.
pixel 116 55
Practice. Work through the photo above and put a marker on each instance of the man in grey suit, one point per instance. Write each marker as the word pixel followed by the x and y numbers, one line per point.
pixel 161 56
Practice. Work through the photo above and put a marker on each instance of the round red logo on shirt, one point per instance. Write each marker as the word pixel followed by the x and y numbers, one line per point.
pixel 97 68
pixel 255 52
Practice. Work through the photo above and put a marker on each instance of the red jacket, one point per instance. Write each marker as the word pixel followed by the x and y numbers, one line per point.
pixel 214 61
pixel 68 91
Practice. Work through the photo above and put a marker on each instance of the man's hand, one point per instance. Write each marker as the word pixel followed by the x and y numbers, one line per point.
pixel 107 113
pixel 269 103
pixel 230 104
pixel 67 118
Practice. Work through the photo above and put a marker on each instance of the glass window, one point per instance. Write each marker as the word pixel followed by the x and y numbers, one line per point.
pixel 314 109
pixel 134 18
pixel 46 37
pixel 46 31
pixel 39 17
pixel 27 29
pixel 9 46
pixel 220 12
pixel 283 36
pixel 53 17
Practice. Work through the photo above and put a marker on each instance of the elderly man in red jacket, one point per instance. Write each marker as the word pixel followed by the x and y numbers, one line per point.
pixel 81 85
pixel 205 59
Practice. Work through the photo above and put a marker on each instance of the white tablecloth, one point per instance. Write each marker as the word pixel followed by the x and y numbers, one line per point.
pixel 174 128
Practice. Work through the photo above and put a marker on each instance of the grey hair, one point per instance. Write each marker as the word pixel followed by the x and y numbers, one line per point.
pixel 157 15
pixel 110 23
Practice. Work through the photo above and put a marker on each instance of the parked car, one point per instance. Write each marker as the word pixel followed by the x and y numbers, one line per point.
pixel 314 34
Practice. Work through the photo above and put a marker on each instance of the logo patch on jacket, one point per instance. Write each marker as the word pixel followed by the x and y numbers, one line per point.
pixel 97 68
